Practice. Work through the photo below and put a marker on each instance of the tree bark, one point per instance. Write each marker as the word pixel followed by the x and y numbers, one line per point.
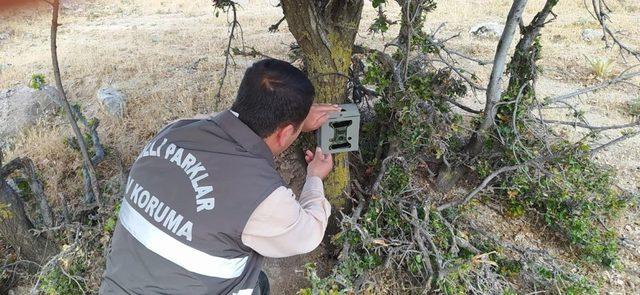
pixel 15 229
pixel 325 31
pixel 29 172
pixel 67 107
pixel 448 176
pixel 494 89
pixel 523 67
pixel 14 222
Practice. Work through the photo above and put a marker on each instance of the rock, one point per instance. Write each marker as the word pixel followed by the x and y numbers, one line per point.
pixel 22 106
pixel 592 35
pixel 6 34
pixel 4 67
pixel 487 30
pixel 113 100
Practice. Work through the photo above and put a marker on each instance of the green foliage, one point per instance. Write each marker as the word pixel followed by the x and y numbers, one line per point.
pixel 319 286
pixel 568 190
pixel 380 24
pixel 37 81
pixel 55 282
pixel 24 189
pixel 396 180
pixel 377 3
pixel 601 67
pixel 419 121
pixel 382 219
pixel 222 5
pixel 5 211
pixel 508 268
pixel 375 75
pixel 86 135
pixel 634 107
pixel 452 283
pixel 564 283
pixel 110 224
pixel 573 197
pixel 424 119
pixel 543 276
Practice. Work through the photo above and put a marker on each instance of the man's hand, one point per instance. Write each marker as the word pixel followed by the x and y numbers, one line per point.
pixel 318 115
pixel 319 164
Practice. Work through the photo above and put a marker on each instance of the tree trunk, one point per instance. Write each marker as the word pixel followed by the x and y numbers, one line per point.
pixel 15 226
pixel 523 68
pixel 448 176
pixel 325 31
pixel 494 90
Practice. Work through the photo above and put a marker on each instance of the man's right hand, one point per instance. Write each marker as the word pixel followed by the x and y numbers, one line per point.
pixel 319 164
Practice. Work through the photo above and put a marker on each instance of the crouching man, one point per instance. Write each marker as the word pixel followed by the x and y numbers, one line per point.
pixel 204 205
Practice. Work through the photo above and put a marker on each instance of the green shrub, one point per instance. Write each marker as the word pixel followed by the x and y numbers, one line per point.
pixel 601 67
pixel 572 197
pixel 634 107
pixel 37 81
pixel 110 224
pixel 55 282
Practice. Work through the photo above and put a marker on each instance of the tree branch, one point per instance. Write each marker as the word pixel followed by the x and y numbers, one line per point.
pixel 615 141
pixel 587 126
pixel 274 28
pixel 463 107
pixel 482 185
pixel 225 6
pixel 67 107
pixel 625 75
pixel 602 17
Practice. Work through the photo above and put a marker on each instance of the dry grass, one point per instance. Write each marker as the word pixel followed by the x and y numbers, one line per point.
pixel 167 56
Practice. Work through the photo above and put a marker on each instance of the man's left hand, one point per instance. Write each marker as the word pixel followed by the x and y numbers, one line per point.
pixel 318 115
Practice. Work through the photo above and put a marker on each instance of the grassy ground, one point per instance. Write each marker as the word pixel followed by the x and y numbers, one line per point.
pixel 167 56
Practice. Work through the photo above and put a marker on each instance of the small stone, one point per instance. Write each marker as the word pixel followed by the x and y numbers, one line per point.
pixel 589 35
pixel 113 100
pixel 487 30
pixel 4 67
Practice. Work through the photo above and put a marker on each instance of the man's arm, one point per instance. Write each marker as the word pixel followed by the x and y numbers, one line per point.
pixel 282 226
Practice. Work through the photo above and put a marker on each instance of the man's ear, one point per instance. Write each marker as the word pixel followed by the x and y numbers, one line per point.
pixel 284 134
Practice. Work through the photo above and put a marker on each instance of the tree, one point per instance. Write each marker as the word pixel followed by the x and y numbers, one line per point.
pixel 15 225
pixel 326 31
pixel 414 112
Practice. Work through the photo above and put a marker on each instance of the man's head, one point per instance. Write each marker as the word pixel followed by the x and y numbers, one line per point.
pixel 274 98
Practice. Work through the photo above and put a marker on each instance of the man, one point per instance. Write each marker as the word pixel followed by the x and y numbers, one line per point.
pixel 204 204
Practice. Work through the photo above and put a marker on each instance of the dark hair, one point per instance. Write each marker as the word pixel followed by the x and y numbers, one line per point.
pixel 273 93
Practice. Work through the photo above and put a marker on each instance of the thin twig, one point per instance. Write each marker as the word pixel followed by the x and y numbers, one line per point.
pixel 233 24
pixel 587 126
pixel 274 28
pixel 622 77
pixel 463 107
pixel 602 18
pixel 482 185
pixel 54 260
pixel 615 141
